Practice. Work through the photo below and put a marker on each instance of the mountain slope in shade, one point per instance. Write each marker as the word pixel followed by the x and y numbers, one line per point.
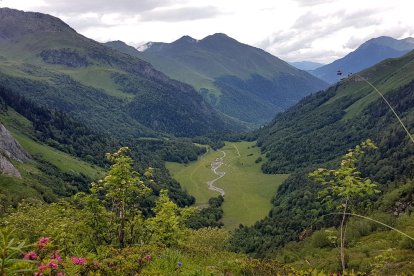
pixel 368 54
pixel 47 61
pixel 306 65
pixel 241 81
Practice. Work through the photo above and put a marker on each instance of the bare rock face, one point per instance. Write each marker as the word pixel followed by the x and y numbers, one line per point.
pixel 10 149
pixel 7 168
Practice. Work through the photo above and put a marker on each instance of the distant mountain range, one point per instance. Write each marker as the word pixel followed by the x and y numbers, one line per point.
pixel 241 81
pixel 306 65
pixel 368 54
pixel 48 62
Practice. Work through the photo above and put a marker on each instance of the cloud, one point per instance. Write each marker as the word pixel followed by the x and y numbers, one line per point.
pixel 301 39
pixel 180 14
pixel 290 29
pixel 310 3
pixel 98 6
pixel 85 21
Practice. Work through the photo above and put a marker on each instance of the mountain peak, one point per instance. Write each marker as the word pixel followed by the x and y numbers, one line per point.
pixel 386 41
pixel 16 23
pixel 369 53
pixel 185 39
pixel 218 36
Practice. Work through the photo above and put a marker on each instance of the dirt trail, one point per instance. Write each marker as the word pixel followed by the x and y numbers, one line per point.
pixel 217 163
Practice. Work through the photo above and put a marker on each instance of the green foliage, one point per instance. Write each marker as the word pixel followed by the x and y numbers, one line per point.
pixel 60 220
pixel 10 251
pixel 324 238
pixel 121 190
pixel 209 216
pixel 381 261
pixel 168 225
pixel 346 182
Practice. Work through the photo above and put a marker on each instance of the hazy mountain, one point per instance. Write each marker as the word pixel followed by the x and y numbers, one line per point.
pixel 371 52
pixel 241 81
pixel 47 61
pixel 306 65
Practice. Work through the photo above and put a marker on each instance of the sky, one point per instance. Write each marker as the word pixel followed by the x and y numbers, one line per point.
pixel 293 30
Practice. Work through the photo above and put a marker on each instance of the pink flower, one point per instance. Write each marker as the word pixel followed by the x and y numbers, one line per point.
pixel 148 258
pixel 56 257
pixel 42 267
pixel 60 274
pixel 78 261
pixel 43 241
pixel 30 255
pixel 53 265
pixel 38 274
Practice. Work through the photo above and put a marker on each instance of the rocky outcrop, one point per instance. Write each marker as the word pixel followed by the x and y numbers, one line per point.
pixel 7 168
pixel 10 149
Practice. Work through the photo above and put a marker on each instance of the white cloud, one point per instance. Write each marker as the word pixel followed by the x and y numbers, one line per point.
pixel 294 30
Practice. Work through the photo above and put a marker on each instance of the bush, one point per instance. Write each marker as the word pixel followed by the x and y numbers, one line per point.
pixel 321 239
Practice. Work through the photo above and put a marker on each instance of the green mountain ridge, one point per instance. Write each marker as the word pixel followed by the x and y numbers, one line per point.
pixel 239 80
pixel 315 133
pixel 47 61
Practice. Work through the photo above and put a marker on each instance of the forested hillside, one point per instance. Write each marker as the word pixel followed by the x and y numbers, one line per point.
pixel 315 133
pixel 54 138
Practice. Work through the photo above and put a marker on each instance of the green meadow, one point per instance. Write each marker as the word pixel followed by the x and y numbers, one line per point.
pixel 248 191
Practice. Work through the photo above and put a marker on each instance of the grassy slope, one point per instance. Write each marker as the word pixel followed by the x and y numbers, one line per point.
pixel 14 63
pixel 386 76
pixel 20 129
pixel 248 190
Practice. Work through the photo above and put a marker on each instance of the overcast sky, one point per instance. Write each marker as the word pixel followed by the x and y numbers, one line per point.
pixel 294 30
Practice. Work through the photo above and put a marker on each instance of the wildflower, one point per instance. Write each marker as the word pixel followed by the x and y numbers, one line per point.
pixel 30 255
pixel 56 257
pixel 148 258
pixel 42 267
pixel 179 264
pixel 43 241
pixel 78 261
pixel 38 274
pixel 53 265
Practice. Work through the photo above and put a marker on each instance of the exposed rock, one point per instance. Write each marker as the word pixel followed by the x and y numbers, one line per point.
pixel 7 168
pixel 10 148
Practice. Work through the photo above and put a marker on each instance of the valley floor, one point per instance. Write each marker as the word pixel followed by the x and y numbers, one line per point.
pixel 248 191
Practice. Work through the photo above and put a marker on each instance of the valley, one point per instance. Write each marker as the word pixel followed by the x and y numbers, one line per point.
pixel 209 156
pixel 248 191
